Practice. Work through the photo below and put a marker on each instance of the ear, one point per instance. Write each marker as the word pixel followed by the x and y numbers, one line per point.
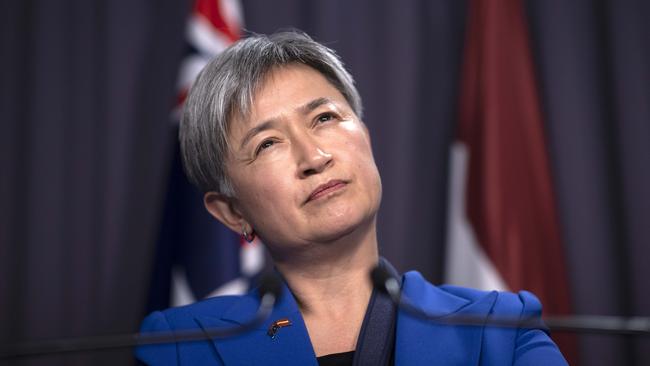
pixel 224 209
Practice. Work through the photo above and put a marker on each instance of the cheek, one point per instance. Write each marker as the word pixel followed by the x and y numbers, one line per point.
pixel 367 163
pixel 358 146
pixel 263 190
pixel 357 134
pixel 358 155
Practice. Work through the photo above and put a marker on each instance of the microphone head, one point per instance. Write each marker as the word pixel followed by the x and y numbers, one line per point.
pixel 383 280
pixel 270 284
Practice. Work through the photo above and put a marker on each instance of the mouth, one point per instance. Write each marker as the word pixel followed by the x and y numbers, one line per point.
pixel 325 189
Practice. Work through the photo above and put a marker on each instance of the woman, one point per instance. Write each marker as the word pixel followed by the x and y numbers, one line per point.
pixel 272 132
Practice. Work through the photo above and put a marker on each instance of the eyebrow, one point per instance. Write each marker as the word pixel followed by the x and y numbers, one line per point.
pixel 311 106
pixel 266 125
pixel 269 124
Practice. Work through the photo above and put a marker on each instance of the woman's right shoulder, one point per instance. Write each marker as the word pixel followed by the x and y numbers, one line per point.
pixel 186 318
pixel 183 317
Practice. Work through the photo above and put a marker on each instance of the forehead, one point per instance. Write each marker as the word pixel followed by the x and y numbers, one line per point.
pixel 284 89
pixel 289 87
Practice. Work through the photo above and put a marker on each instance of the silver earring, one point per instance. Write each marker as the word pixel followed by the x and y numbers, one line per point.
pixel 248 237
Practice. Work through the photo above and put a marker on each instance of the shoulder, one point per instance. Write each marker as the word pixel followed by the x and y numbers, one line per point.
pixel 521 303
pixel 499 345
pixel 182 318
pixel 501 302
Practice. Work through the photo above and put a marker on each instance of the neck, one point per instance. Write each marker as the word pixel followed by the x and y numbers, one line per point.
pixel 331 285
pixel 332 272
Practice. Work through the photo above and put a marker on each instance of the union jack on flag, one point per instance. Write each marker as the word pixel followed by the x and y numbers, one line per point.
pixel 197 257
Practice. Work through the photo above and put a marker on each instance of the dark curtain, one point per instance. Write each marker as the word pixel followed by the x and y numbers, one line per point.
pixel 593 59
pixel 87 87
pixel 85 147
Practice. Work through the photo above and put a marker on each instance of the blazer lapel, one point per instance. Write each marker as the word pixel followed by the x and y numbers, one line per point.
pixel 289 346
pixel 421 342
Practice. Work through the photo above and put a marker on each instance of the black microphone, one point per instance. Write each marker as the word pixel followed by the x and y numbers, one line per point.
pixel 383 281
pixel 269 288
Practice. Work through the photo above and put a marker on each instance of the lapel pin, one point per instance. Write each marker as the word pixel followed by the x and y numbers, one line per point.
pixel 281 323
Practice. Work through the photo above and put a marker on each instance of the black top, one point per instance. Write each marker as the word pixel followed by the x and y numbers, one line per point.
pixel 336 359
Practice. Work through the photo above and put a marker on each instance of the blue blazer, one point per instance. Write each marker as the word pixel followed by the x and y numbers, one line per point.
pixel 417 342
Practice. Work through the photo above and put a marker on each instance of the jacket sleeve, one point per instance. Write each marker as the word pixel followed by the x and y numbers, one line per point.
pixel 157 354
pixel 534 347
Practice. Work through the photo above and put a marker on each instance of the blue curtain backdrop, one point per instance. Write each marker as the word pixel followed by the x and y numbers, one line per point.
pixel 86 147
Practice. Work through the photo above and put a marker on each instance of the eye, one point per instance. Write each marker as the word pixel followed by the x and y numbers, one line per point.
pixel 325 117
pixel 264 145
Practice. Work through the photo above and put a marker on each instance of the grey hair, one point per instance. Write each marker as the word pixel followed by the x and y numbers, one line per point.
pixel 224 90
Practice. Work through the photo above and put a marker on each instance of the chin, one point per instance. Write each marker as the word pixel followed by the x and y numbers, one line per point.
pixel 335 228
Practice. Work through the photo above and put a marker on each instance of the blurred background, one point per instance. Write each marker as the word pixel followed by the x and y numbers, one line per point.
pixel 511 137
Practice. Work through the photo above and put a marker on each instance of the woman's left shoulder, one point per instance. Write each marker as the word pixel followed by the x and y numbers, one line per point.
pixel 524 346
pixel 522 303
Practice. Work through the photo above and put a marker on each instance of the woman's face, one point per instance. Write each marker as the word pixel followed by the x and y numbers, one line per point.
pixel 301 163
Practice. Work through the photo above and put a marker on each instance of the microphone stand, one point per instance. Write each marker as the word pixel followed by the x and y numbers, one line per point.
pixel 593 324
pixel 270 288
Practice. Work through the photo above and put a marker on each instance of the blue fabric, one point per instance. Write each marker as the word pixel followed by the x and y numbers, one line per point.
pixel 417 342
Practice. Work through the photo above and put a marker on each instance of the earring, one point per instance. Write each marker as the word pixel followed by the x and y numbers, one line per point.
pixel 248 237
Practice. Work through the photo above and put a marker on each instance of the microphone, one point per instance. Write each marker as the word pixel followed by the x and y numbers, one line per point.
pixel 269 288
pixel 385 282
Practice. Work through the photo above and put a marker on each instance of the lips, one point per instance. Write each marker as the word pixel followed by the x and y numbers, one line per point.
pixel 324 189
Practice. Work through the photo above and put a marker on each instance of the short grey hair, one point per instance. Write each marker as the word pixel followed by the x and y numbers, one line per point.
pixel 224 90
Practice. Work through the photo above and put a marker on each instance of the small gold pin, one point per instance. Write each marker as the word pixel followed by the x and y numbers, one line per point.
pixel 281 323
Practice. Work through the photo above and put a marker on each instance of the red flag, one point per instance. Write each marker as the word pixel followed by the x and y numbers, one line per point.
pixel 509 203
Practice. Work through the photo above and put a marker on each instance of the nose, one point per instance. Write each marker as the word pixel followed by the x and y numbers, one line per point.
pixel 312 158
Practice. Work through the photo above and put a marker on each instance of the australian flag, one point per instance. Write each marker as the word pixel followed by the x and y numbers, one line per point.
pixel 196 256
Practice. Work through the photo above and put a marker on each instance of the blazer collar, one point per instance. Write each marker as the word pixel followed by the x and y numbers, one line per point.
pixel 290 345
pixel 417 342
pixel 421 342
